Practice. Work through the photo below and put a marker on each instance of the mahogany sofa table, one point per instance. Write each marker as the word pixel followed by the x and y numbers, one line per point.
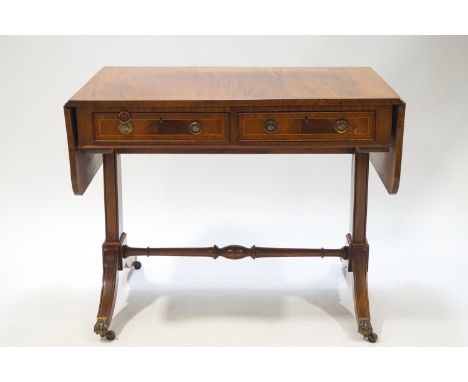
pixel 234 110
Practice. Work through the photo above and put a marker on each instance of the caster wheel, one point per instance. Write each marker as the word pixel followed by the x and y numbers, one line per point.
pixel 372 338
pixel 110 335
pixel 136 265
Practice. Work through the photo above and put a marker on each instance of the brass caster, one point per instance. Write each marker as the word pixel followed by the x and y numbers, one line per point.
pixel 110 335
pixel 372 338
pixel 101 328
pixel 365 328
pixel 136 265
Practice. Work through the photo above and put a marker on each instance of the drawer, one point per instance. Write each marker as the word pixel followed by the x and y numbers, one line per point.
pixel 161 127
pixel 307 126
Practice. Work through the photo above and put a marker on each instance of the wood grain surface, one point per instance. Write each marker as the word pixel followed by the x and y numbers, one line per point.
pixel 238 85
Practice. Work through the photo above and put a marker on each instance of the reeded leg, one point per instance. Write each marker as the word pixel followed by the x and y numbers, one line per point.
pixel 360 255
pixel 113 246
pixel 358 247
pixel 110 279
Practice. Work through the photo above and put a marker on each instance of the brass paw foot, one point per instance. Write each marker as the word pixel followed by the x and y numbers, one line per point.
pixel 101 328
pixel 365 328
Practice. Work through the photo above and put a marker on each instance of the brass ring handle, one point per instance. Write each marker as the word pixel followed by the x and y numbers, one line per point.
pixel 195 127
pixel 125 127
pixel 341 126
pixel 124 116
pixel 270 126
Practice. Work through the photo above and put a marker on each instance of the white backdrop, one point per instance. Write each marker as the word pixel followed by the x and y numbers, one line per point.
pixel 50 239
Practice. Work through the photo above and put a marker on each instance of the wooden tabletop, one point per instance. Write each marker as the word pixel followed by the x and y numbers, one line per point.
pixel 236 85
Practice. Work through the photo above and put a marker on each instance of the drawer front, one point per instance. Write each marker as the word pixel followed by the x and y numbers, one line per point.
pixel 161 127
pixel 307 126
